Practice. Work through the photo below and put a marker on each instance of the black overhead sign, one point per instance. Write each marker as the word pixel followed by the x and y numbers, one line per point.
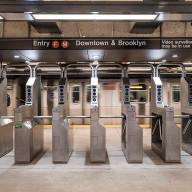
pixel 97 43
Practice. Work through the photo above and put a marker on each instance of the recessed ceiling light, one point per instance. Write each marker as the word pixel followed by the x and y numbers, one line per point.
pixel 95 12
pixel 1 18
pixel 16 56
pixel 111 17
pixel 28 12
pixel 95 57
pixel 174 56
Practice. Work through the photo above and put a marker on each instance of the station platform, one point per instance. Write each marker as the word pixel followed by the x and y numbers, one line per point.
pixel 79 175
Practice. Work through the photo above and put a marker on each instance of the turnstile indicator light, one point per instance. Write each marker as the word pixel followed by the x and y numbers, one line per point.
pixel 18 125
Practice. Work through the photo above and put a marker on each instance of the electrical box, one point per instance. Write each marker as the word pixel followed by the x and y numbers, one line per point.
pixel 94 91
pixel 61 91
pixel 29 91
pixel 158 90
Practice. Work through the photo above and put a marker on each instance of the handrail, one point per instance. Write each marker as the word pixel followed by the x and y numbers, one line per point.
pixel 164 63
pixel 141 65
pixel 102 117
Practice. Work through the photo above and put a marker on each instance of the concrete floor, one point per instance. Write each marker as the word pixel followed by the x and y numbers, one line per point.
pixel 81 176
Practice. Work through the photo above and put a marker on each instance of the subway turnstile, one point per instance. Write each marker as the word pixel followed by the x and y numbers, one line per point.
pixel 98 143
pixel 28 132
pixel 132 134
pixel 6 124
pixel 62 132
pixel 186 109
pixel 166 136
pixel 28 135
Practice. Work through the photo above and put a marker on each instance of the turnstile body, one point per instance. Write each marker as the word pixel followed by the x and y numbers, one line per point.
pixel 6 125
pixel 132 134
pixel 62 134
pixel 165 135
pixel 28 135
pixel 6 136
pixel 186 109
pixel 98 143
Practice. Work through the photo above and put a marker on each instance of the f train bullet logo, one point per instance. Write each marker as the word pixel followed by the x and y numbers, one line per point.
pixel 55 44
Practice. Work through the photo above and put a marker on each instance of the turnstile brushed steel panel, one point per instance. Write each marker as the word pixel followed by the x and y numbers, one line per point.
pixel 28 135
pixel 98 138
pixel 6 136
pixel 186 109
pixel 165 135
pixel 62 136
pixel 132 140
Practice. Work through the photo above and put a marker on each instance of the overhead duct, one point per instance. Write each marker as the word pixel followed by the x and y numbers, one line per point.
pixel 46 27
pixel 144 27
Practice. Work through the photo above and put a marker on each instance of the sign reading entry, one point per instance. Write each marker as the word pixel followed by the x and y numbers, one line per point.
pixel 93 44
pixel 96 43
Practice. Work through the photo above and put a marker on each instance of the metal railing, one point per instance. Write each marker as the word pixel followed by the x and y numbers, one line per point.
pixel 102 117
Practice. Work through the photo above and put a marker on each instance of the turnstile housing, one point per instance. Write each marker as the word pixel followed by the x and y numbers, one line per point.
pixel 62 134
pixel 6 125
pixel 6 136
pixel 98 143
pixel 186 109
pixel 28 135
pixel 132 136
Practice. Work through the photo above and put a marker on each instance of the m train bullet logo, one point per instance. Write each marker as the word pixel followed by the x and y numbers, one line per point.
pixel 65 44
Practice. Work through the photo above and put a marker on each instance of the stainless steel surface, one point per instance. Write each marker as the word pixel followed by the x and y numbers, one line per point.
pixel 6 124
pixel 6 136
pixel 33 97
pixel 42 117
pixel 7 117
pixel 186 110
pixel 28 135
pixel 98 138
pixel 166 136
pixel 132 134
pixel 98 135
pixel 62 132
pixel 62 136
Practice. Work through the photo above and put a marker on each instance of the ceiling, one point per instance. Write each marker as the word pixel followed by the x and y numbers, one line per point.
pixel 18 12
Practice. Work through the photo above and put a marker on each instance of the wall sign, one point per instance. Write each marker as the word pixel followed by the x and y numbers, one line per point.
pixel 96 43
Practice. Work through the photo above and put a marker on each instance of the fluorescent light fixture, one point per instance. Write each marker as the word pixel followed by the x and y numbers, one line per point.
pixel 17 56
pixel 121 17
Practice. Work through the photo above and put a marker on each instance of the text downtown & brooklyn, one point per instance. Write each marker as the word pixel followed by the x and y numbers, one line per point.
pixel 107 43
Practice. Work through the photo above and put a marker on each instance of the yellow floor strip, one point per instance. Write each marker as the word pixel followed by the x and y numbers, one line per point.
pixel 144 126
pixel 88 126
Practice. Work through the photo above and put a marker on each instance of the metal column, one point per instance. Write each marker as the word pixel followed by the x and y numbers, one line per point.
pixel 132 134
pixel 6 125
pixel 98 143
pixel 62 132
pixel 165 134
